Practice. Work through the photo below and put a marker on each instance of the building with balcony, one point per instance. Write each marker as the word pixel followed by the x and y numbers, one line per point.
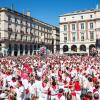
pixel 21 34
pixel 79 31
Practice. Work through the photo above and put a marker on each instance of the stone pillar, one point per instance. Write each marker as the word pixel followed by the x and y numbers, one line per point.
pixel 4 49
pixel 78 48
pixel 28 50
pixel 69 48
pixel 12 46
pixel 61 48
pixel 87 50
pixel 55 49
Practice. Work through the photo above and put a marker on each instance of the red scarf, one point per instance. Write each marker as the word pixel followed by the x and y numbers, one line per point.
pixel 54 87
pixel 59 96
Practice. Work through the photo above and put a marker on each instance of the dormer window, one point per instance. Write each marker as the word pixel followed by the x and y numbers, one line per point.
pixel 64 19
pixel 81 17
pixel 91 16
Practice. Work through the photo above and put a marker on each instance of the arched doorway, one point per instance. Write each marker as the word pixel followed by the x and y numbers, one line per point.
pixel 9 50
pixel 26 49
pixel 34 49
pixel 38 46
pixel 15 50
pixel 92 50
pixel 74 48
pixel 21 49
pixel 82 48
pixel 31 49
pixel 65 48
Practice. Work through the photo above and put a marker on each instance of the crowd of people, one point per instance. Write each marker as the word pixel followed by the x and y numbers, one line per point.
pixel 55 77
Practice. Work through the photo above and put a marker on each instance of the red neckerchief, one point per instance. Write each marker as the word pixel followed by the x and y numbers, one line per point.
pixel 54 87
pixel 59 95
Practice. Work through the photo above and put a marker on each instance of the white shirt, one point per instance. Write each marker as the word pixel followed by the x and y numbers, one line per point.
pixel 20 93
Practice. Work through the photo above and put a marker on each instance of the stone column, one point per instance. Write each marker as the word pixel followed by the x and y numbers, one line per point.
pixel 78 48
pixel 61 48
pixel 87 50
pixel 28 50
pixel 12 46
pixel 4 49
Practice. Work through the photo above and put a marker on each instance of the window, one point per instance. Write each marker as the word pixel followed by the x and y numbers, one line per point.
pixel 65 37
pixel 9 18
pixel 21 22
pixel 73 26
pixel 91 25
pixel 65 27
pixel 26 37
pixel 30 25
pixel 26 23
pixel 81 17
pixel 73 36
pixel 15 36
pixel 91 36
pixel 40 27
pixel 26 30
pixel 82 25
pixel 21 36
pixel 64 19
pixel 82 36
pixel 16 20
pixel 91 16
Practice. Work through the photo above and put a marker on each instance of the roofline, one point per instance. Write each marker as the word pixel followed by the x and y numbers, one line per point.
pixel 80 12
pixel 23 15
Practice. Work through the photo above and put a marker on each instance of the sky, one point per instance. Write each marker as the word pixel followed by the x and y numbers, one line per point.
pixel 49 10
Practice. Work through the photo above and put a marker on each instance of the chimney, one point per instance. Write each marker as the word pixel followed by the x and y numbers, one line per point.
pixel 28 13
